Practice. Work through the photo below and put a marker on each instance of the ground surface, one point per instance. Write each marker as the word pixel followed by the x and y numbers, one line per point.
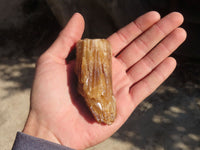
pixel 168 120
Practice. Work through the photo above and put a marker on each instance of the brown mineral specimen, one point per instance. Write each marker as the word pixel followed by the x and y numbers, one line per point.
pixel 94 71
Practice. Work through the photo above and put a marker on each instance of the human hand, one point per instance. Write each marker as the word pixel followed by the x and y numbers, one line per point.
pixel 140 64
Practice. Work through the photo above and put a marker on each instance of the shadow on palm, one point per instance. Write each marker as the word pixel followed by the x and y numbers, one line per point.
pixel 76 98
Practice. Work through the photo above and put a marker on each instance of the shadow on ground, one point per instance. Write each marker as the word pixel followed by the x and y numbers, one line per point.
pixel 19 72
pixel 170 118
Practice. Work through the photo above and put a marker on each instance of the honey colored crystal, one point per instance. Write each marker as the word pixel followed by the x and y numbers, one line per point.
pixel 94 71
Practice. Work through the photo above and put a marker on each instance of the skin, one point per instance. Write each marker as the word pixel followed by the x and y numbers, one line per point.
pixel 140 64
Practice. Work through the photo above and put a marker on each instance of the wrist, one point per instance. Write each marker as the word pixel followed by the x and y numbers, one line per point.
pixel 35 128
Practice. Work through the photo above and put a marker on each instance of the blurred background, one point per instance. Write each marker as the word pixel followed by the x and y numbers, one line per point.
pixel 168 120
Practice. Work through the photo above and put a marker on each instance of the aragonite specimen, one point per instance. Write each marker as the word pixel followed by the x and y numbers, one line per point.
pixel 94 71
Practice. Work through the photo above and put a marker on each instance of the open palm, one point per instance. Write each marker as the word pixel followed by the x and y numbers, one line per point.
pixel 140 64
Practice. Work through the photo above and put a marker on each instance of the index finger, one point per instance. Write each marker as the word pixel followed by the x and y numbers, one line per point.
pixel 125 35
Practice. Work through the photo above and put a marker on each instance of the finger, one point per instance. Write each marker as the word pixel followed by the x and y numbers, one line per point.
pixel 124 36
pixel 142 45
pixel 157 55
pixel 68 37
pixel 148 85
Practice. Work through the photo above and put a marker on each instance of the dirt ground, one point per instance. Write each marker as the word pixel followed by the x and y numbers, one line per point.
pixel 167 120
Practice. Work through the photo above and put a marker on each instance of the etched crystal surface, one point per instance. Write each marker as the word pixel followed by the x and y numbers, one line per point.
pixel 94 71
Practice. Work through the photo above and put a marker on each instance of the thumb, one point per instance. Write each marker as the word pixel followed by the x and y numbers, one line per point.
pixel 67 38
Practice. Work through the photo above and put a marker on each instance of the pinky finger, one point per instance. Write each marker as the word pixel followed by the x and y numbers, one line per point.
pixel 148 85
